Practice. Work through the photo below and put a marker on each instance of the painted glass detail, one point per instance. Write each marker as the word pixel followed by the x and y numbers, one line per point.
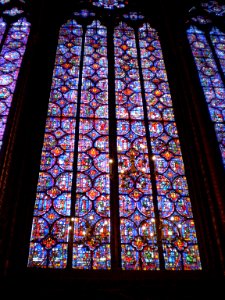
pixel 10 61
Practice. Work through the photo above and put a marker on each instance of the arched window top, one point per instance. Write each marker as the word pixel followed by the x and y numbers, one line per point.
pixel 146 27
pixel 70 22
pixel 143 28
pixel 124 26
pixel 22 23
pixel 95 24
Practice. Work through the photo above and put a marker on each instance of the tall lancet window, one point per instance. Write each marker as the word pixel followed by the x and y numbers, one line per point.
pixel 206 36
pixel 14 31
pixel 112 191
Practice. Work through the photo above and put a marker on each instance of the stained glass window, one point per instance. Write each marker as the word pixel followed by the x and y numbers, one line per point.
pixel 13 38
pixel 207 45
pixel 111 157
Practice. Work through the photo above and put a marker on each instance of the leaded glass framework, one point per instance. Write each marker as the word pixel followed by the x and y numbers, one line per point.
pixel 207 42
pixel 112 173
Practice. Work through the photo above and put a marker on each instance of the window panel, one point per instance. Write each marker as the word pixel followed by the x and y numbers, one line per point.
pixel 92 225
pixel 137 218
pixel 52 213
pixel 178 233
pixel 11 56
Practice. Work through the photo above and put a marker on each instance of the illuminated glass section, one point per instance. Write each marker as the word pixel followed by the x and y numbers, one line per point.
pixel 92 224
pixel 178 235
pixel 11 56
pixel 208 52
pixel 52 212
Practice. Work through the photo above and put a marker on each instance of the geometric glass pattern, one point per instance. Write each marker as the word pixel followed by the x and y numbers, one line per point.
pixel 95 99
